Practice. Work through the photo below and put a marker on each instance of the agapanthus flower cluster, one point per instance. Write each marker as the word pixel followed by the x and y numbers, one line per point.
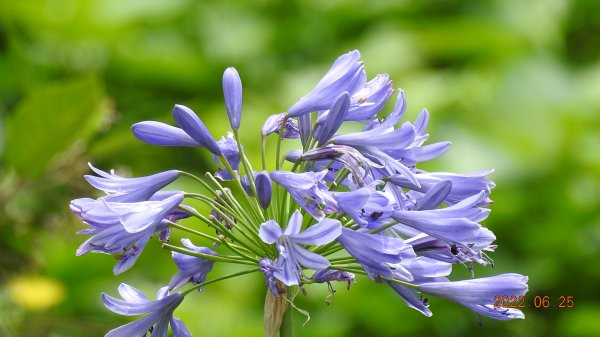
pixel 342 207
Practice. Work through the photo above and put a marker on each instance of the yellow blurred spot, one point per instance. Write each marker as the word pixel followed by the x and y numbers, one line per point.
pixel 36 293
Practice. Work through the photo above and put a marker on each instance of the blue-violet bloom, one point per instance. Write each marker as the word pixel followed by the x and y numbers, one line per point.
pixel 160 313
pixel 191 269
pixel 292 256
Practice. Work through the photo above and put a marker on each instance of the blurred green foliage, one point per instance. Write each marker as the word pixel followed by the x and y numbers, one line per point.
pixel 515 85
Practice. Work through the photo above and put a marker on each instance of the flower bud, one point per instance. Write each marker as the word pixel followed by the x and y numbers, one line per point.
pixel 263 189
pixel 335 118
pixel 193 126
pixel 232 91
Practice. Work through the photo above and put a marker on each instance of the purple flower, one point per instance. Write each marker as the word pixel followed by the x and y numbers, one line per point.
pixel 415 152
pixel 141 188
pixel 268 267
pixel 232 91
pixel 292 256
pixel 328 275
pixel 463 185
pixel 191 131
pixel 304 128
pixel 193 126
pixel 273 124
pixel 263 188
pixel 346 74
pixel 309 191
pixel 368 207
pixel 191 269
pixel 456 224
pixel 229 148
pixel 344 157
pixel 378 254
pixel 157 133
pixel 122 229
pixel 478 294
pixel 397 139
pixel 160 313
pixel 369 100
pixel 410 297
pixel 423 270
pixel 334 119
pixel 437 249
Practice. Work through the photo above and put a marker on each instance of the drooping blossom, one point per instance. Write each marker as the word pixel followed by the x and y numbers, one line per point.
pixel 159 313
pixel 122 228
pixel 478 294
pixel 139 189
pixel 191 268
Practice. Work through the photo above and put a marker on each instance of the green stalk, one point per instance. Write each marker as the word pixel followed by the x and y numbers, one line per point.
pixel 197 286
pixel 251 205
pixel 221 258
pixel 263 146
pixel 189 230
pixel 250 173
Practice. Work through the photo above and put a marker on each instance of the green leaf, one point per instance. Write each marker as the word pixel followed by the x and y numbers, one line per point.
pixel 49 120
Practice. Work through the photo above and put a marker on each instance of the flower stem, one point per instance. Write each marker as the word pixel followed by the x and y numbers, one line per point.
pixel 197 286
pixel 189 230
pixel 287 325
pixel 228 259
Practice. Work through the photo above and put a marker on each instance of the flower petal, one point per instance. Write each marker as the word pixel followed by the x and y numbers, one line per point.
pixel 286 272
pixel 193 126
pixel 479 290
pixel 294 225
pixel 157 133
pixel 136 328
pixel 269 231
pixel 129 308
pixel 309 259
pixel 131 294
pixel 336 116
pixel 179 328
pixel 409 297
pixel 320 233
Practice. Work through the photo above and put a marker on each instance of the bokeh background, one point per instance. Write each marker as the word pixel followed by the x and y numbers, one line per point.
pixel 514 84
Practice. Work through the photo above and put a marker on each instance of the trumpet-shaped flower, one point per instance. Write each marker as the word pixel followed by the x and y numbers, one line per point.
pixel 292 256
pixel 123 229
pixel 378 254
pixel 141 188
pixel 191 269
pixel 478 294
pixel 273 125
pixel 159 313
pixel 346 74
